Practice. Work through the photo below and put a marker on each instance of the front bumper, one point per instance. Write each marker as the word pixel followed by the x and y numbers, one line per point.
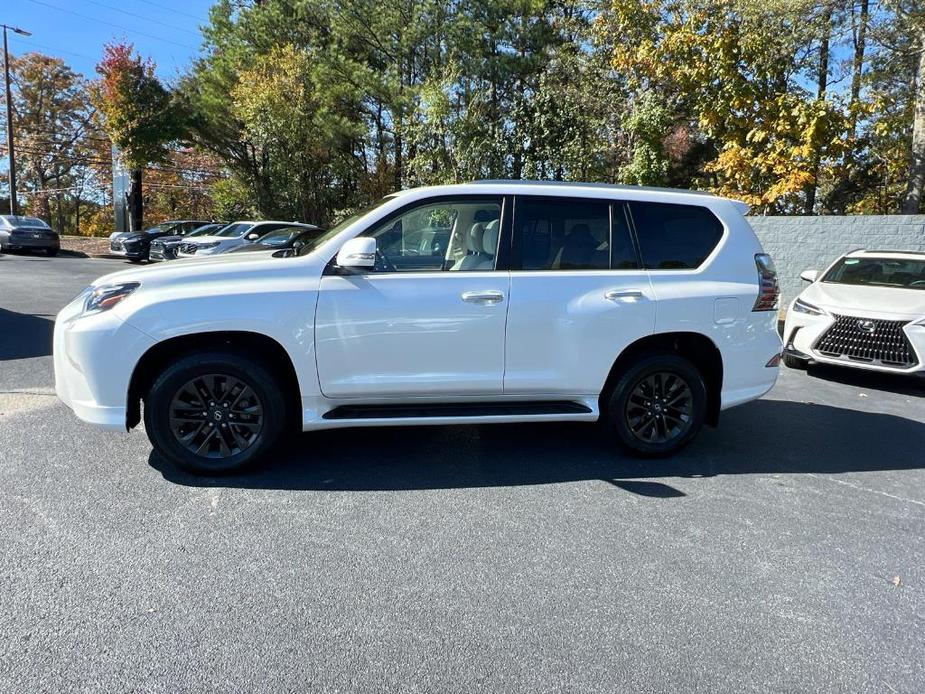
pixel 94 357
pixel 802 333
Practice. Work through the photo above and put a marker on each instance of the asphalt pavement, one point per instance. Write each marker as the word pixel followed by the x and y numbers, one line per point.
pixel 783 551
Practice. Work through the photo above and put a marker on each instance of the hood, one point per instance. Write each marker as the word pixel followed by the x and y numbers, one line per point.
pixel 184 270
pixel 873 301
pixel 175 237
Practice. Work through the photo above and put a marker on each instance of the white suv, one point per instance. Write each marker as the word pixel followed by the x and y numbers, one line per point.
pixel 867 311
pixel 487 302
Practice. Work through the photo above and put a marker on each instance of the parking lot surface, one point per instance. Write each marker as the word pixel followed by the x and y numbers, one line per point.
pixel 783 551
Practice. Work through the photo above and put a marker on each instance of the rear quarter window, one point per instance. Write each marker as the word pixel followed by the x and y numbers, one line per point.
pixel 675 237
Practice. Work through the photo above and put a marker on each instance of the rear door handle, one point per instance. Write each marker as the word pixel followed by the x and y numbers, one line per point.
pixel 489 296
pixel 620 294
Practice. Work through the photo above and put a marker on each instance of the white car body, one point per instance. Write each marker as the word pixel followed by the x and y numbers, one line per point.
pixel 419 337
pixel 201 246
pixel 882 327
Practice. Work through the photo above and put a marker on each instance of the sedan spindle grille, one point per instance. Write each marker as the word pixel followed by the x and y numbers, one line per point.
pixel 868 340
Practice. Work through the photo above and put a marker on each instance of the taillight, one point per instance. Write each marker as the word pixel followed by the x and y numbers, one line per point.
pixel 768 287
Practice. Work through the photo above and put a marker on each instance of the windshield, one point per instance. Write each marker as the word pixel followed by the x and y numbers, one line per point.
pixel 206 230
pixel 158 228
pixel 20 221
pixel 336 229
pixel 878 272
pixel 234 230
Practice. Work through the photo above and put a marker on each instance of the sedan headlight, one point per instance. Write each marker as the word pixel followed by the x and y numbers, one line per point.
pixel 801 306
pixel 210 244
pixel 104 297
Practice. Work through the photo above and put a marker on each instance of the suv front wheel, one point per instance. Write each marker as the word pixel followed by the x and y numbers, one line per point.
pixel 658 405
pixel 214 412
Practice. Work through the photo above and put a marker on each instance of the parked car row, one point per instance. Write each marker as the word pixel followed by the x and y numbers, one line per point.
pixel 187 238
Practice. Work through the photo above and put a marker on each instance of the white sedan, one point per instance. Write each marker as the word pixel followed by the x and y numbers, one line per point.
pixel 866 311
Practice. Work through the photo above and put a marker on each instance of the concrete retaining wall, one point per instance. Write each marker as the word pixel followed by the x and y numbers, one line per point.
pixel 812 243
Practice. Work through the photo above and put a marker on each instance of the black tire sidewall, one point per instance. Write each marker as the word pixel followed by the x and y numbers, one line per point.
pixel 670 363
pixel 157 406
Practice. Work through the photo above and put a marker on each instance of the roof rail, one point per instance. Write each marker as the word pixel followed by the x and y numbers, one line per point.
pixel 583 184
pixel 901 252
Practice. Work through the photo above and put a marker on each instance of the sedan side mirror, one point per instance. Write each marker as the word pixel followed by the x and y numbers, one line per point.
pixel 809 275
pixel 358 253
pixel 253 236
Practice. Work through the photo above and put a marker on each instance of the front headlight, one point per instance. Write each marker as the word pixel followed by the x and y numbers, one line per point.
pixel 801 306
pixel 210 244
pixel 106 296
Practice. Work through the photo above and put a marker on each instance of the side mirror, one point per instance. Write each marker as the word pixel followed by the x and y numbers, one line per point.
pixel 253 236
pixel 358 253
pixel 809 275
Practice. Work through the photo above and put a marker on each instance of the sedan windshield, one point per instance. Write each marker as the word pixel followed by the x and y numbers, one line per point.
pixel 10 220
pixel 235 230
pixel 878 272
pixel 158 228
pixel 206 230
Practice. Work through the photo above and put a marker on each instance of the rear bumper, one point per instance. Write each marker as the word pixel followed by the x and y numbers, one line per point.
pixel 94 357
pixel 15 244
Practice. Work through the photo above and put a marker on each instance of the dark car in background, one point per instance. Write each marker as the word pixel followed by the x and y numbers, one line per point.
pixel 18 233
pixel 165 247
pixel 288 238
pixel 135 246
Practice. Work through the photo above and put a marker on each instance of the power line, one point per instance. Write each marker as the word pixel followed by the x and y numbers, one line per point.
pixel 94 20
pixel 30 43
pixel 141 17
pixel 170 9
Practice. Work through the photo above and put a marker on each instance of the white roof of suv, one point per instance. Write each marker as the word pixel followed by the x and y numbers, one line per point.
pixel 567 187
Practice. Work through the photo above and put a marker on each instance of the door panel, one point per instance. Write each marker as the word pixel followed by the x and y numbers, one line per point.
pixel 570 314
pixel 411 333
pixel 565 329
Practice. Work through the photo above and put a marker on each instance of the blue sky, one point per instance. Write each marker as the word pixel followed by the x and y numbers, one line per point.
pixel 75 30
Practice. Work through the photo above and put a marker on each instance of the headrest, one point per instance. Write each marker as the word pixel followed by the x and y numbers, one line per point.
pixel 474 238
pixel 490 237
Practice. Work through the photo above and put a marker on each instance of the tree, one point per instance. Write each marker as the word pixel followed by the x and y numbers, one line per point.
pixel 138 115
pixel 56 137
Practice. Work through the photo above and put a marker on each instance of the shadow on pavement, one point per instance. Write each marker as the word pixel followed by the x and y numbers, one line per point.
pixel 871 380
pixel 24 335
pixel 767 436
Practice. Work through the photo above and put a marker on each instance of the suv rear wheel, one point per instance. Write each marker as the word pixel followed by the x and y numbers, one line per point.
pixel 658 405
pixel 214 412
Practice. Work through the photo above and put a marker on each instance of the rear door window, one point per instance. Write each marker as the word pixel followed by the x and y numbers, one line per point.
pixel 675 237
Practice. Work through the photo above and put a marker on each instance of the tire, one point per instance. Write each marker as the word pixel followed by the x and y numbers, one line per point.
pixel 228 439
pixel 792 362
pixel 134 261
pixel 639 408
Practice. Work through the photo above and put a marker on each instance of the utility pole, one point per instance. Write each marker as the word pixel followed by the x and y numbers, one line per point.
pixel 9 115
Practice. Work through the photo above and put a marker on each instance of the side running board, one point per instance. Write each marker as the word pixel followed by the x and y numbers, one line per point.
pixel 457 409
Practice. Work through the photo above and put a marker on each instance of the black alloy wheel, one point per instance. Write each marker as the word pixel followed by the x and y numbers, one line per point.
pixel 660 407
pixel 215 412
pixel 216 416
pixel 657 405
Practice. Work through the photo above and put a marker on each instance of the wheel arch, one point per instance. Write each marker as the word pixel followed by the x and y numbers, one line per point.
pixel 697 348
pixel 246 343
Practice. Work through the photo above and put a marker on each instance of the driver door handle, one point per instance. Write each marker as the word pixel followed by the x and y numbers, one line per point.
pixel 620 294
pixel 488 296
